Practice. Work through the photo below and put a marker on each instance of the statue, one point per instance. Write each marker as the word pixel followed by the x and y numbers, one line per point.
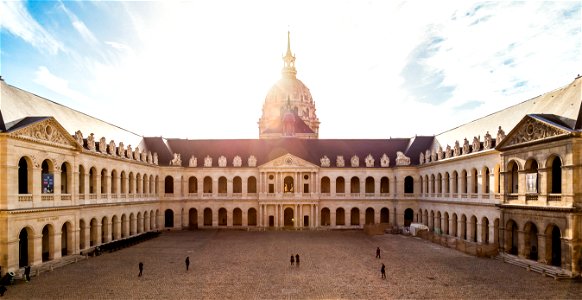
pixel 476 143
pixel 237 161
pixel 488 141
pixel 111 148
pixel 440 153
pixel 421 158
pixel 500 136
pixel 193 161
pixel 339 162
pixel 129 152
pixel 79 137
pixel 208 161
pixel 355 161
pixel 177 160
pixel 155 158
pixel 121 150
pixel 91 142
pixel 102 145
pixel 324 161
pixel 401 159
pixel 466 146
pixel 457 149
pixel 448 151
pixel 252 161
pixel 222 161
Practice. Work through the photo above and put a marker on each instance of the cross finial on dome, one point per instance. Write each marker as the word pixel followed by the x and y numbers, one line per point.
pixel 289 60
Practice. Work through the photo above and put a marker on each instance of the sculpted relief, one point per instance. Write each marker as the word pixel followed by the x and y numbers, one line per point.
pixel 488 142
pixel 339 162
pixel 369 161
pixel 208 161
pixel 384 161
pixel 102 145
pixel 222 161
pixel 193 162
pixel 252 161
pixel 355 161
pixel 401 159
pixel 466 149
pixel 237 161
pixel 532 130
pixel 324 161
pixel 91 142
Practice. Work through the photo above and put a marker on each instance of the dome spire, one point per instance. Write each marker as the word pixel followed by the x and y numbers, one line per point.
pixel 289 60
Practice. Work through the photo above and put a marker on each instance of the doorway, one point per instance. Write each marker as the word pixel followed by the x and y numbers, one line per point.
pixel 288 217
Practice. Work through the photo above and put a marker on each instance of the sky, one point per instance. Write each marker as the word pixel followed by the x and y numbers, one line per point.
pixel 375 69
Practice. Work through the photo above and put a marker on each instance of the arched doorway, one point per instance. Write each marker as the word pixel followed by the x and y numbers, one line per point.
pixel 193 218
pixel 252 217
pixel 325 217
pixel 554 244
pixel 47 243
pixel 222 216
pixel 66 239
pixel 355 216
pixel 25 248
pixel 511 240
pixel 340 216
pixel 288 217
pixel 408 216
pixel 237 217
pixel 169 218
pixel 207 217
pixel 82 242
pixel 369 216
pixel 23 175
pixel 531 241
pixel 384 215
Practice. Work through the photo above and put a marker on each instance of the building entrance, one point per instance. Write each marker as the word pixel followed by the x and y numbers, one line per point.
pixel 288 217
pixel 305 221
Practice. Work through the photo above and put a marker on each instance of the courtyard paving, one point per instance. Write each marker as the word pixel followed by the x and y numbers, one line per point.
pixel 229 264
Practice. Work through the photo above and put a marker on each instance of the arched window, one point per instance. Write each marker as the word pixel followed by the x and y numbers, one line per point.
pixel 47 178
pixel 123 182
pixel 138 183
pixel 288 186
pixel 531 177
pixel 252 185
pixel 464 187
pixel 355 185
pixel 92 180
pixel 65 178
pixel 132 184
pixel 455 182
pixel 114 179
pixel 384 185
pixel 340 185
pixel 103 187
pixel 555 176
pixel 237 185
pixel 439 182
pixel 222 185
pixel 81 180
pixel 512 179
pixel 169 185
pixel 408 185
pixel 432 184
pixel 24 173
pixel 447 183
pixel 421 185
pixel 207 185
pixel 370 185
pixel 485 180
pixel 325 185
pixel 192 185
pixel 474 181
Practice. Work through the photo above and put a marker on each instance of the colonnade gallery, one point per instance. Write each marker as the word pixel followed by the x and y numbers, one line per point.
pixel 509 182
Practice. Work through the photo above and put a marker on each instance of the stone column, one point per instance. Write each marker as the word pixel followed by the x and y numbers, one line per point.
pixel 348 216
pixel 491 233
pixel 36 258
pixel 215 213
pixel 362 218
pixel 332 217
pixel 229 216
pixel 542 249
pixel 229 186
pixel 521 243
pixel 56 251
pixel 479 230
pixel 332 187
pixel 317 221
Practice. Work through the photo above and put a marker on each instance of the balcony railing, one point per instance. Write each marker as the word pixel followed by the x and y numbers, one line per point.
pixel 325 194
pixel 554 197
pixel 92 196
pixel 24 198
pixel 531 197
pixel 511 197
pixel 47 198
pixel 370 194
pixel 66 197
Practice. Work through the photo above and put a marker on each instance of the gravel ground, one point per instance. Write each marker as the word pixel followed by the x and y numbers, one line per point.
pixel 228 264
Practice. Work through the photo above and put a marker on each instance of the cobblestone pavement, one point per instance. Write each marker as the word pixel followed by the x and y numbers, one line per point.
pixel 227 264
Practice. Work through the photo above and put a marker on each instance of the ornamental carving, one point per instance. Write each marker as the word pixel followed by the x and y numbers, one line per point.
pixel 324 161
pixel 177 160
pixel 121 150
pixel 433 155
pixel 440 154
pixel 47 131
pixel 237 161
pixel 500 136
pixel 35 162
pixel 111 148
pixel 208 161
pixel 129 152
pixel 401 159
pixel 355 161
pixel 222 161
pixel 155 159
pixel 532 130
pixel 340 162
pixel 91 142
pixel 448 152
pixel 79 137
pixel 488 142
pixel 421 158
pixel 102 145
pixel 457 149
pixel 193 162
pixel 149 157
pixel 369 161
pixel 466 148
pixel 144 157
pixel 476 143
pixel 252 161
pixel 136 154
pixel 384 161
pixel 427 156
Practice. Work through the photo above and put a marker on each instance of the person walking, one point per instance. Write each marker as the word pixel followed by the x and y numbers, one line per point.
pixel 377 252
pixel 187 262
pixel 292 259
pixel 140 269
pixel 297 259
pixel 27 273
pixel 383 271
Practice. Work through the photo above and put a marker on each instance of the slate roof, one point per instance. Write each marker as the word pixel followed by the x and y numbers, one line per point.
pixel 265 150
pixel 564 103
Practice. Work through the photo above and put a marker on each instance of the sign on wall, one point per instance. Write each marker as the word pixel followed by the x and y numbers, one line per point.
pixel 48 183
pixel 531 183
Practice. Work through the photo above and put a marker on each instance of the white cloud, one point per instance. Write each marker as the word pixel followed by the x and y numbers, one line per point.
pixel 16 19
pixel 80 26
pixel 59 85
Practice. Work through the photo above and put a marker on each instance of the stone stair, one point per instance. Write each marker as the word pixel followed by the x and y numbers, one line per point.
pixel 546 270
pixel 50 265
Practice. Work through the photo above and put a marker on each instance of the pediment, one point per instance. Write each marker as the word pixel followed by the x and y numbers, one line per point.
pixel 288 161
pixel 47 131
pixel 531 130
